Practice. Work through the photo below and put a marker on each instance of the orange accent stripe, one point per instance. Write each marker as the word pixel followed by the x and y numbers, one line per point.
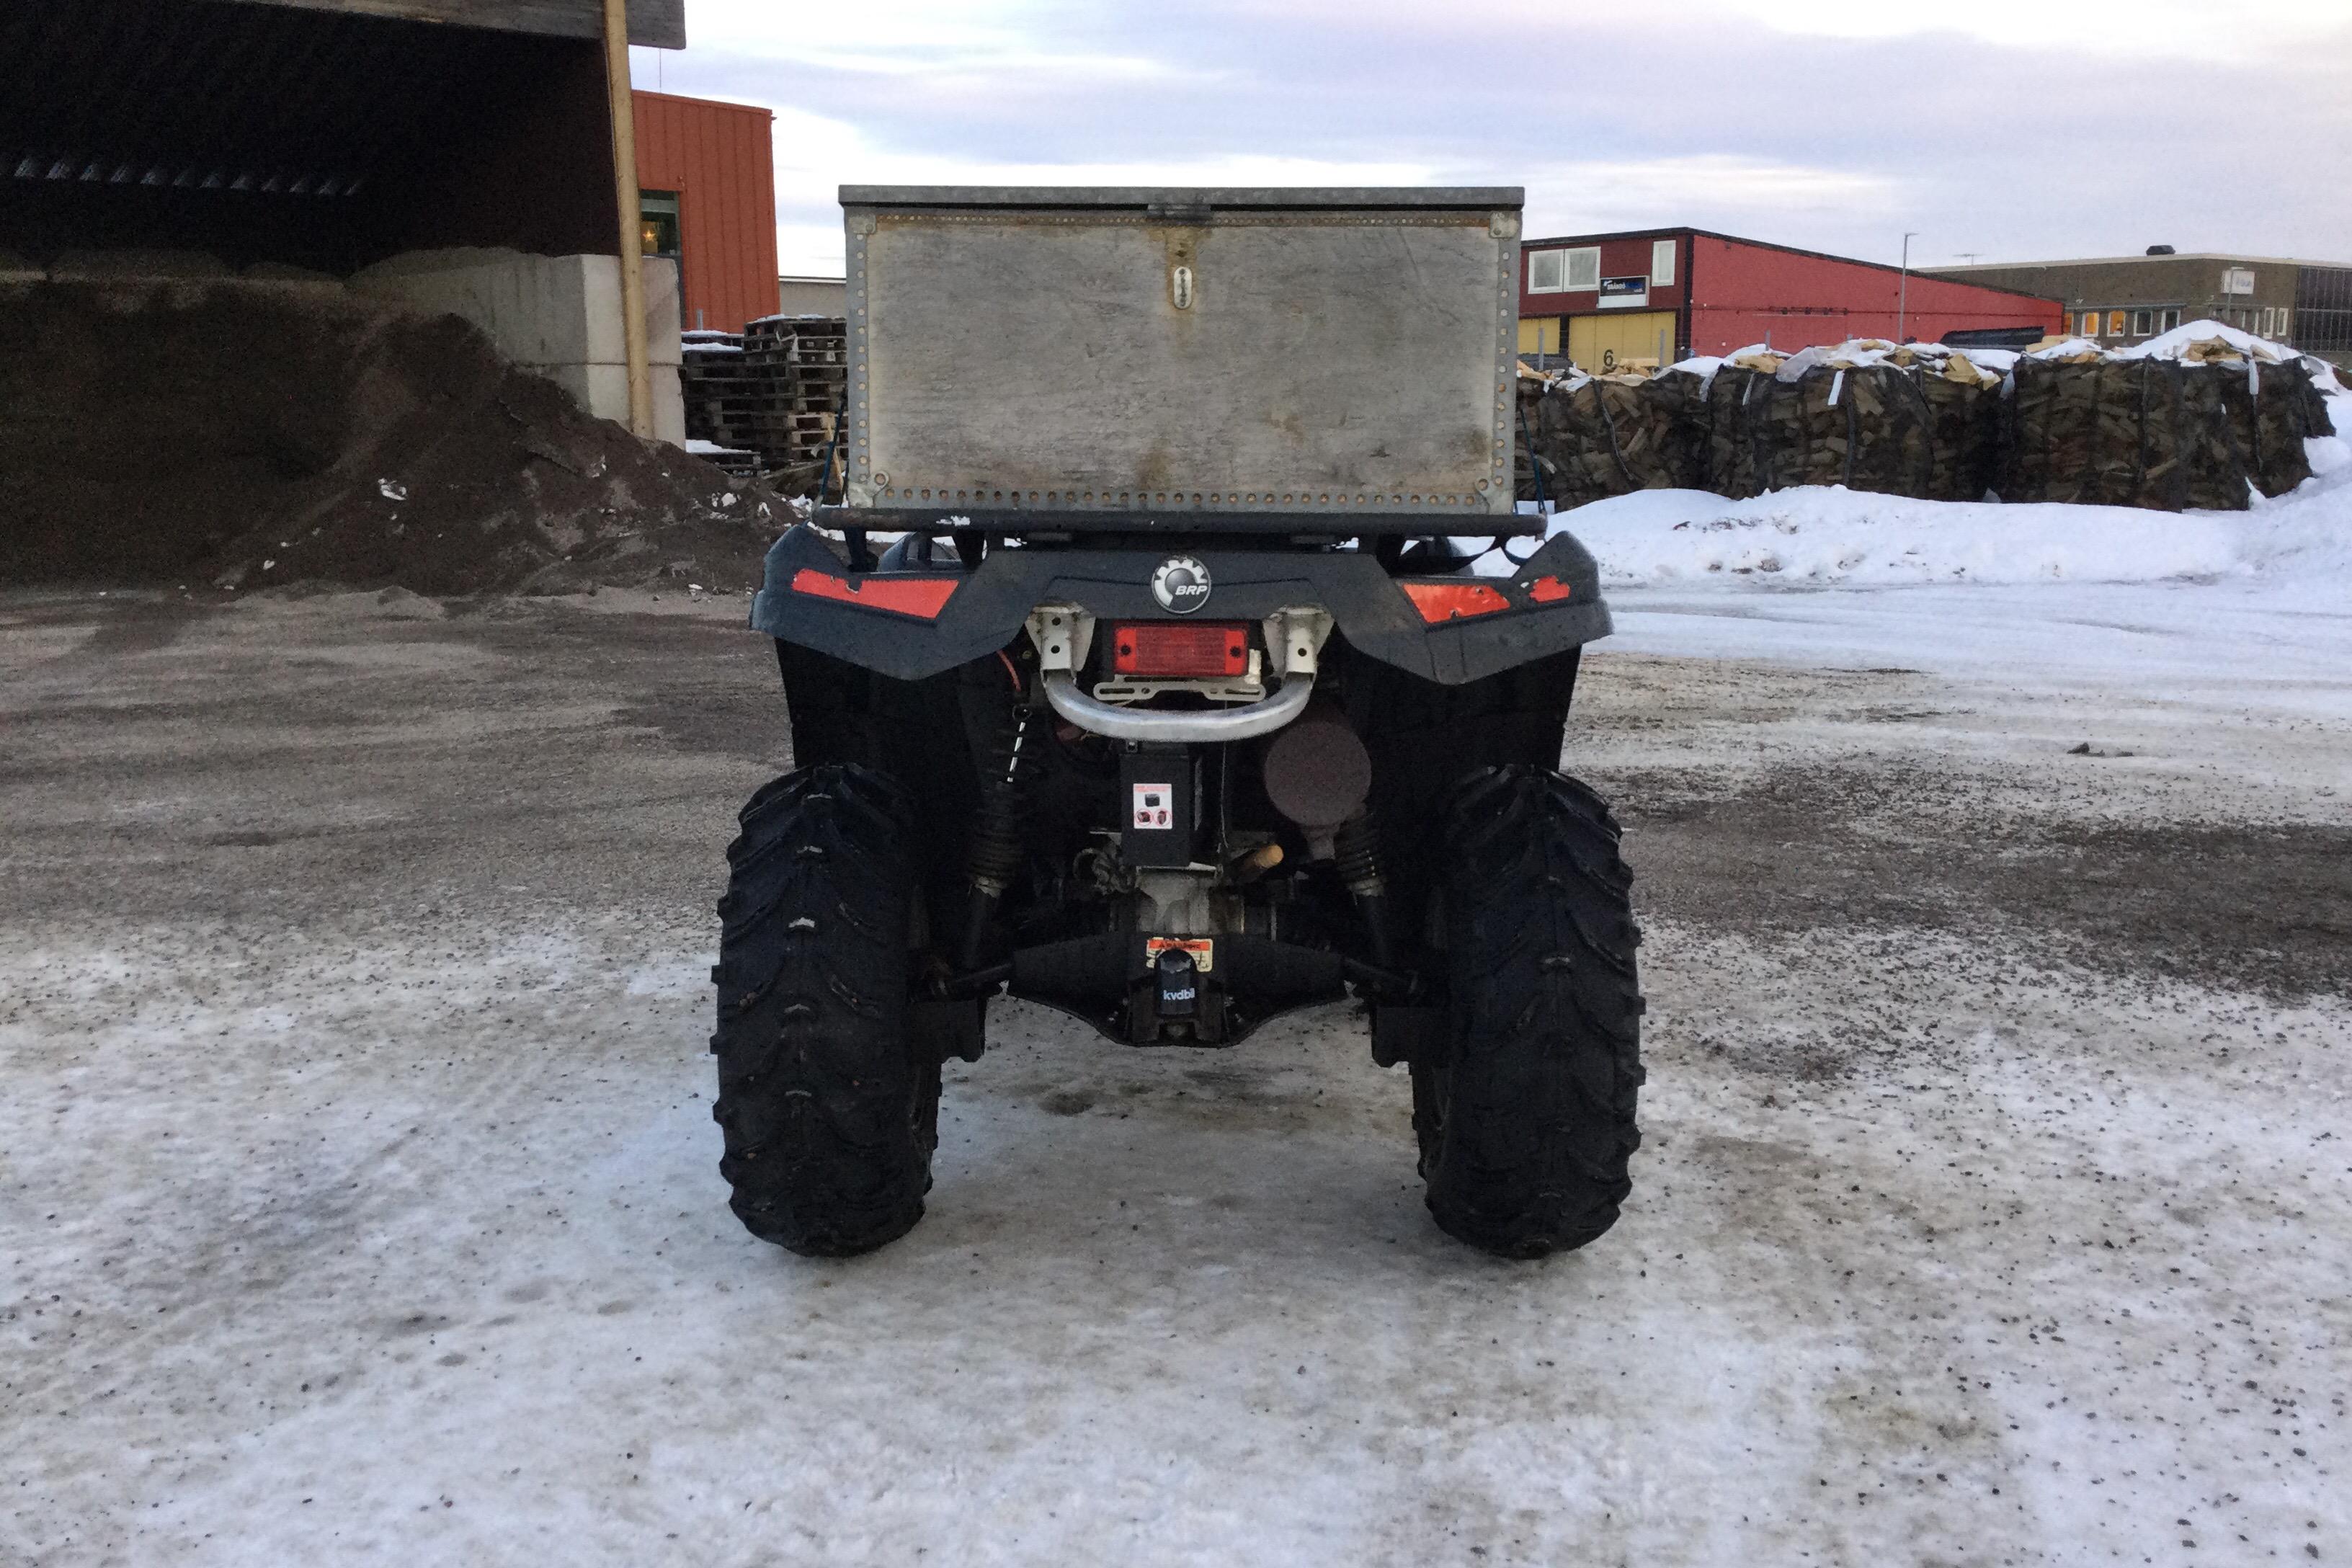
pixel 923 597
pixel 1453 601
pixel 1548 590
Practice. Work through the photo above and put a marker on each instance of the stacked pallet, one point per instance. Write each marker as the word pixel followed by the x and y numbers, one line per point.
pixel 718 389
pixel 776 390
pixel 803 361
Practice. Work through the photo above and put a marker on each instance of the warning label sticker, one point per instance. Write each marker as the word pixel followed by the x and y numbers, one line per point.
pixel 1155 807
pixel 1203 949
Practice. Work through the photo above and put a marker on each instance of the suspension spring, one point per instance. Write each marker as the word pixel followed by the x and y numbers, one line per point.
pixel 1356 848
pixel 996 851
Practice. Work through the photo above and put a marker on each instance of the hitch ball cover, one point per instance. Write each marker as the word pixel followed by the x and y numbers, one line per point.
pixel 1317 774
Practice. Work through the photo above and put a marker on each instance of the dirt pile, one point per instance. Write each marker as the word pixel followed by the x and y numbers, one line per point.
pixel 230 436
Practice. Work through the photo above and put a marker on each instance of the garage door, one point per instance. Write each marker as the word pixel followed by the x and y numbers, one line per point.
pixel 1539 334
pixel 1621 339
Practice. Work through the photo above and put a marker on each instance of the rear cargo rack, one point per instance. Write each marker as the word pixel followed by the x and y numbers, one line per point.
pixel 1403 522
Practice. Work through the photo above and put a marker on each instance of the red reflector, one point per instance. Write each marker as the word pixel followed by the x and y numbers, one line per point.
pixel 922 596
pixel 1179 647
pixel 1547 590
pixel 1452 601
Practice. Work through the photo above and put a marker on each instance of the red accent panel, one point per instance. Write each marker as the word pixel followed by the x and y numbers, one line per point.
pixel 1453 601
pixel 1547 590
pixel 1179 648
pixel 921 596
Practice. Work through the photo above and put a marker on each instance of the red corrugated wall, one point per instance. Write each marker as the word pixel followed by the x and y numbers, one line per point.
pixel 1743 294
pixel 721 160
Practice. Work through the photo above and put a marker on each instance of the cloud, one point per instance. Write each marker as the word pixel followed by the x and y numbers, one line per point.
pixel 2009 128
pixel 2096 31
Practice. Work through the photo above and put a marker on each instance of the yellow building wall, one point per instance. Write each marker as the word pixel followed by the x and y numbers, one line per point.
pixel 1619 339
pixel 1539 334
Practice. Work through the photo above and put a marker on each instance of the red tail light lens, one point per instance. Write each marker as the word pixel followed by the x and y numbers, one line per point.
pixel 1453 601
pixel 1179 649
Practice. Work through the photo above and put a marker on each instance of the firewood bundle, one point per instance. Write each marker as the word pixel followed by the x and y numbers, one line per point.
pixel 1594 437
pixel 2123 432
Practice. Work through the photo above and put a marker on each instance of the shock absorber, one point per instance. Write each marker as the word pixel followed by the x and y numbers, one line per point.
pixel 1356 848
pixel 995 857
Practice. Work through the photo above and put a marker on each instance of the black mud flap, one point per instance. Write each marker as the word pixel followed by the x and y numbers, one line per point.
pixel 946 1028
pixel 1403 1034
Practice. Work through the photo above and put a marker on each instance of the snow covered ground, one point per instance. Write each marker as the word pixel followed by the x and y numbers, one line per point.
pixel 357 1187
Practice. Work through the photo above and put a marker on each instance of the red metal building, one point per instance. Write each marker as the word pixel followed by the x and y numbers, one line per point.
pixel 709 171
pixel 1659 295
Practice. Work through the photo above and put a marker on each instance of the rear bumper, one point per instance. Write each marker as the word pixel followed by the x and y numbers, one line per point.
pixel 912 626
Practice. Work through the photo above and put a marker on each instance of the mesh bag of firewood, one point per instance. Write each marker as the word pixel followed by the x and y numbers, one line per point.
pixel 1964 434
pixel 1595 437
pixel 2274 409
pixel 2123 432
pixel 1866 428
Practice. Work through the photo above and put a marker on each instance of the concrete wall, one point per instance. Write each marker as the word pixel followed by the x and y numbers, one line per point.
pixel 558 316
pixel 811 296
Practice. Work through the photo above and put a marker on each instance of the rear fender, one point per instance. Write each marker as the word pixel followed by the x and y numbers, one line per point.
pixel 913 625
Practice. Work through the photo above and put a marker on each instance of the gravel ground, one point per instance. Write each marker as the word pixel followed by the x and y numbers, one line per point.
pixel 357 1200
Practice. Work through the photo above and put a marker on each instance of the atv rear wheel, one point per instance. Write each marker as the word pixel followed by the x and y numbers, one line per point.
pixel 1526 1120
pixel 829 1105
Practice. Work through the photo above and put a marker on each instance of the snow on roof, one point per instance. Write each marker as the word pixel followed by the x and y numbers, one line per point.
pixel 2231 257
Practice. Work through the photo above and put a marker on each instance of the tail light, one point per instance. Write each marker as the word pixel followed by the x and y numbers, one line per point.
pixel 1179 648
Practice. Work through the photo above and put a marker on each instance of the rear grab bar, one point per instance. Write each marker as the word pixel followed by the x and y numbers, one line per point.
pixel 1246 723
pixel 1064 633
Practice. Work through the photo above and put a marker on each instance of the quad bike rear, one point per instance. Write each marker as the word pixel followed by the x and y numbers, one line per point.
pixel 1159 667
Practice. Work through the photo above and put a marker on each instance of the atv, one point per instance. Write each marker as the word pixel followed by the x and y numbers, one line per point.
pixel 1176 655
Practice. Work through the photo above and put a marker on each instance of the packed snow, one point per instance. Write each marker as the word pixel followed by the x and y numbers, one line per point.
pixel 357 1199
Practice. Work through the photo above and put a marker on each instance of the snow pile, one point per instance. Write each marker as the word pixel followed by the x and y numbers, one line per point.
pixel 2206 341
pixel 1834 535
pixel 1824 537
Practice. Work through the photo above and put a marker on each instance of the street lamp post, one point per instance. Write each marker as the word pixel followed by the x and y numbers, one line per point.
pixel 1903 293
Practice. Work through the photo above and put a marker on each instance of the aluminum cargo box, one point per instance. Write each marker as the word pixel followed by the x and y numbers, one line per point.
pixel 1184 360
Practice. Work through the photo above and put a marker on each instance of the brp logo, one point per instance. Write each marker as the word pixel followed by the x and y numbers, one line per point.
pixel 1181 585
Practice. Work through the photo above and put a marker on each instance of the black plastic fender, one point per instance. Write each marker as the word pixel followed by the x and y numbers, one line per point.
pixel 912 625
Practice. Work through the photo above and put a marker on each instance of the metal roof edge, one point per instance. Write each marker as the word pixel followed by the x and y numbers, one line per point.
pixel 2123 260
pixel 1485 197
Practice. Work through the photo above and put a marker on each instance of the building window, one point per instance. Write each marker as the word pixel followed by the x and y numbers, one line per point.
pixel 2171 319
pixel 2287 324
pixel 2143 323
pixel 659 211
pixel 2115 323
pixel 2089 325
pixel 1553 271
pixel 1662 263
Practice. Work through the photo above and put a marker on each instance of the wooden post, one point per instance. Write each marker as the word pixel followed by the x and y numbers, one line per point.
pixel 632 250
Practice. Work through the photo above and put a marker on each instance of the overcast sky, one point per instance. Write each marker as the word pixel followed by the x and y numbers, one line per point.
pixel 2012 129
